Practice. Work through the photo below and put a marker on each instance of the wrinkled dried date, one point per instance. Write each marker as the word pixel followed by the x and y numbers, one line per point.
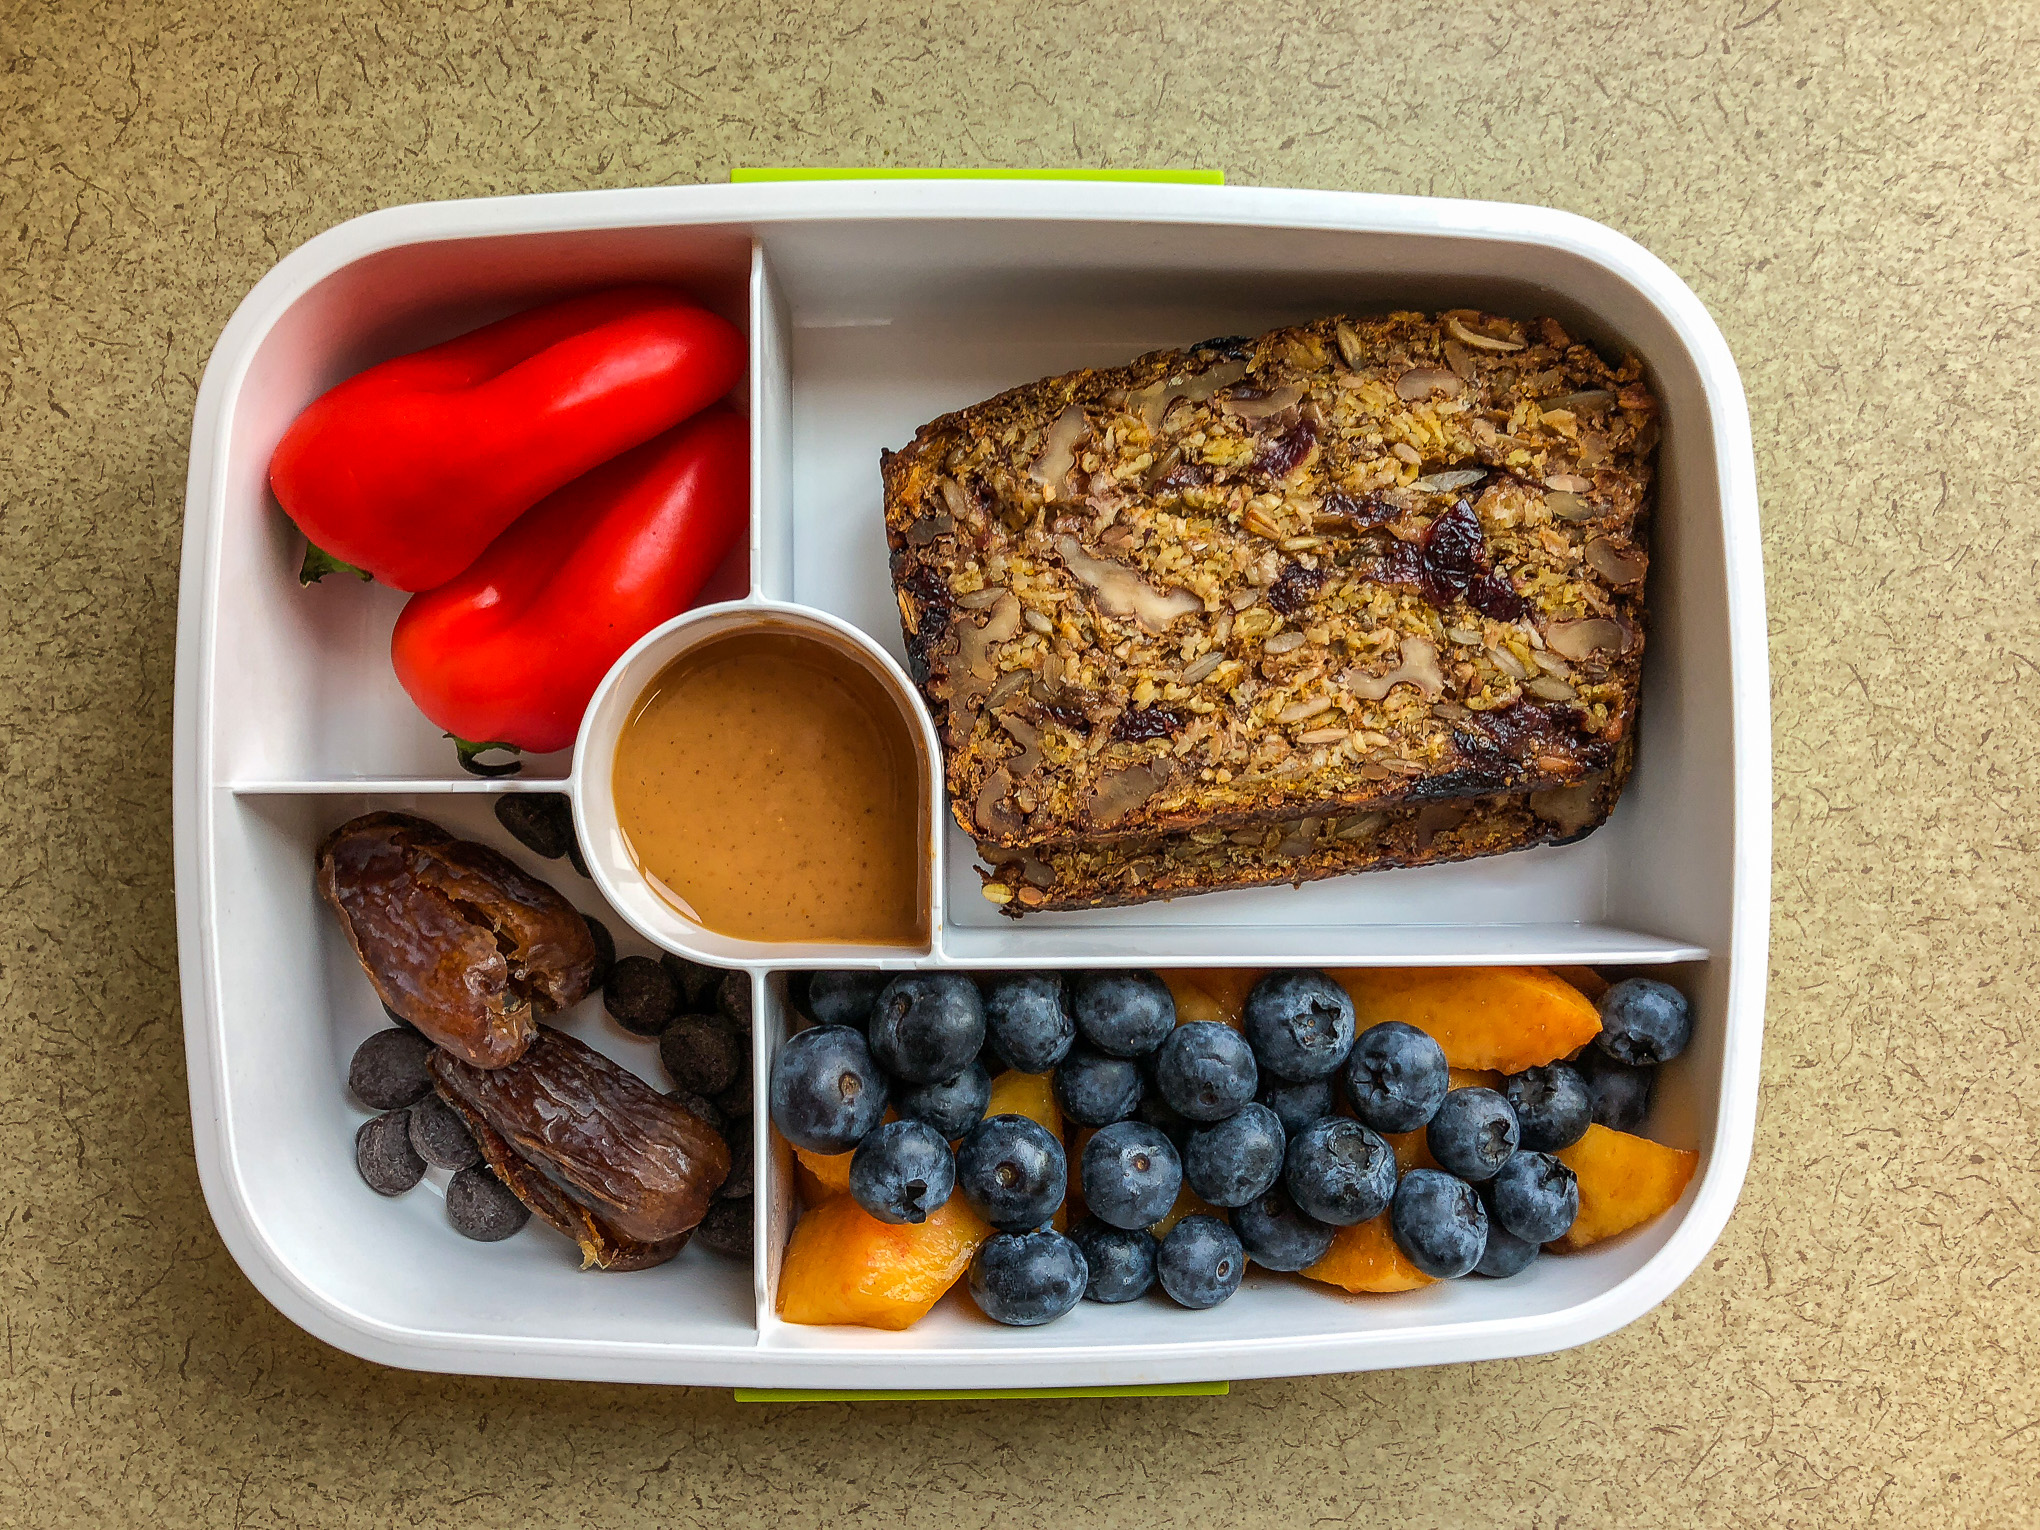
pixel 457 940
pixel 590 1147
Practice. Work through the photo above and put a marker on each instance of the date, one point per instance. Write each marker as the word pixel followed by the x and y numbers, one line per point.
pixel 591 1148
pixel 457 940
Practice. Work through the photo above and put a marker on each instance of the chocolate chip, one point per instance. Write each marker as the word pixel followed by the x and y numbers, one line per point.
pixel 697 982
pixel 384 1155
pixel 440 1136
pixel 640 996
pixel 701 1053
pixel 388 1071
pixel 605 950
pixel 698 1105
pixel 739 1183
pixel 733 998
pixel 542 822
pixel 398 1019
pixel 736 1100
pixel 480 1206
pixel 726 1230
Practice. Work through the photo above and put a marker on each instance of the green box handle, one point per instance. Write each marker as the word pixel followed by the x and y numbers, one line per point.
pixel 1159 1389
pixel 795 173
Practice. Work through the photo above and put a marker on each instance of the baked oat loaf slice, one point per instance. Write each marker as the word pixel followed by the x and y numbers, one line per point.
pixel 1352 565
pixel 1080 874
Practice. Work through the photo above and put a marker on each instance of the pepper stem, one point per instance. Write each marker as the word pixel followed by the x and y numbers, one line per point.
pixel 319 563
pixel 469 751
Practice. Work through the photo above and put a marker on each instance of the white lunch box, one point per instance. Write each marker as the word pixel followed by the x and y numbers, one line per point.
pixel 872 307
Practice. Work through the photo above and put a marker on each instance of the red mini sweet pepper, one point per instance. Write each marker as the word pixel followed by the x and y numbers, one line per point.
pixel 510 651
pixel 409 469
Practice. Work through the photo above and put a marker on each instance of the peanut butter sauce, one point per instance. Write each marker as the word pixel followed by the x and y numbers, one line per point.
pixel 769 786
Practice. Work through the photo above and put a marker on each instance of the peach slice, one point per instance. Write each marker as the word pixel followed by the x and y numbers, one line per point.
pixel 1624 1182
pixel 1188 1204
pixel 1026 1094
pixel 843 1265
pixel 1364 1257
pixel 1585 979
pixel 1501 1018
pixel 1212 993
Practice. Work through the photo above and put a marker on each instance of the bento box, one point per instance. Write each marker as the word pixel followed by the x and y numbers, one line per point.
pixel 870 307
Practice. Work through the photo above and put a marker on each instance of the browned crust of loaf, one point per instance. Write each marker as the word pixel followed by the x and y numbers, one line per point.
pixel 1329 557
pixel 1094 876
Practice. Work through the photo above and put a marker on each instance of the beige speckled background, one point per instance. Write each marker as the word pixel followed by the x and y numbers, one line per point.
pixel 1851 188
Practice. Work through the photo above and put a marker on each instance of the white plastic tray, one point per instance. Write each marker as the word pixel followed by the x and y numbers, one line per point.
pixel 872 306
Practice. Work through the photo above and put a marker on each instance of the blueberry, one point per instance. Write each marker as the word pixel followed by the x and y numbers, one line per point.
pixel 1473 1134
pixel 1297 1105
pixel 1438 1222
pixel 388 1071
pixel 1027 1019
pixel 1159 1113
pixel 1131 1174
pixel 1279 1236
pixel 952 1107
pixel 1619 1093
pixel 1201 1262
pixel 1644 1021
pixel 1121 1260
pixel 1552 1106
pixel 1234 1160
pixel 1505 1253
pixel 1535 1197
pixel 1206 1070
pixel 1396 1077
pixel 1013 1173
pixel 1300 1024
pixel 927 1026
pixel 1026 1279
pixel 826 1090
pixel 902 1171
pixel 1125 1014
pixel 1340 1172
pixel 1096 1090
pixel 843 998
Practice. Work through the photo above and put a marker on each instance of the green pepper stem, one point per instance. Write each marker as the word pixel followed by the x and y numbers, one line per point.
pixel 319 563
pixel 469 751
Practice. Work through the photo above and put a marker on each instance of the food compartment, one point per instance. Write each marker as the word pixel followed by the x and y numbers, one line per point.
pixel 1273 1319
pixel 303 689
pixel 389 1277
pixel 892 325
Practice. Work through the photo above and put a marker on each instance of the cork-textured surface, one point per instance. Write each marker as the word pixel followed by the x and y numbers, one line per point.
pixel 1850 188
